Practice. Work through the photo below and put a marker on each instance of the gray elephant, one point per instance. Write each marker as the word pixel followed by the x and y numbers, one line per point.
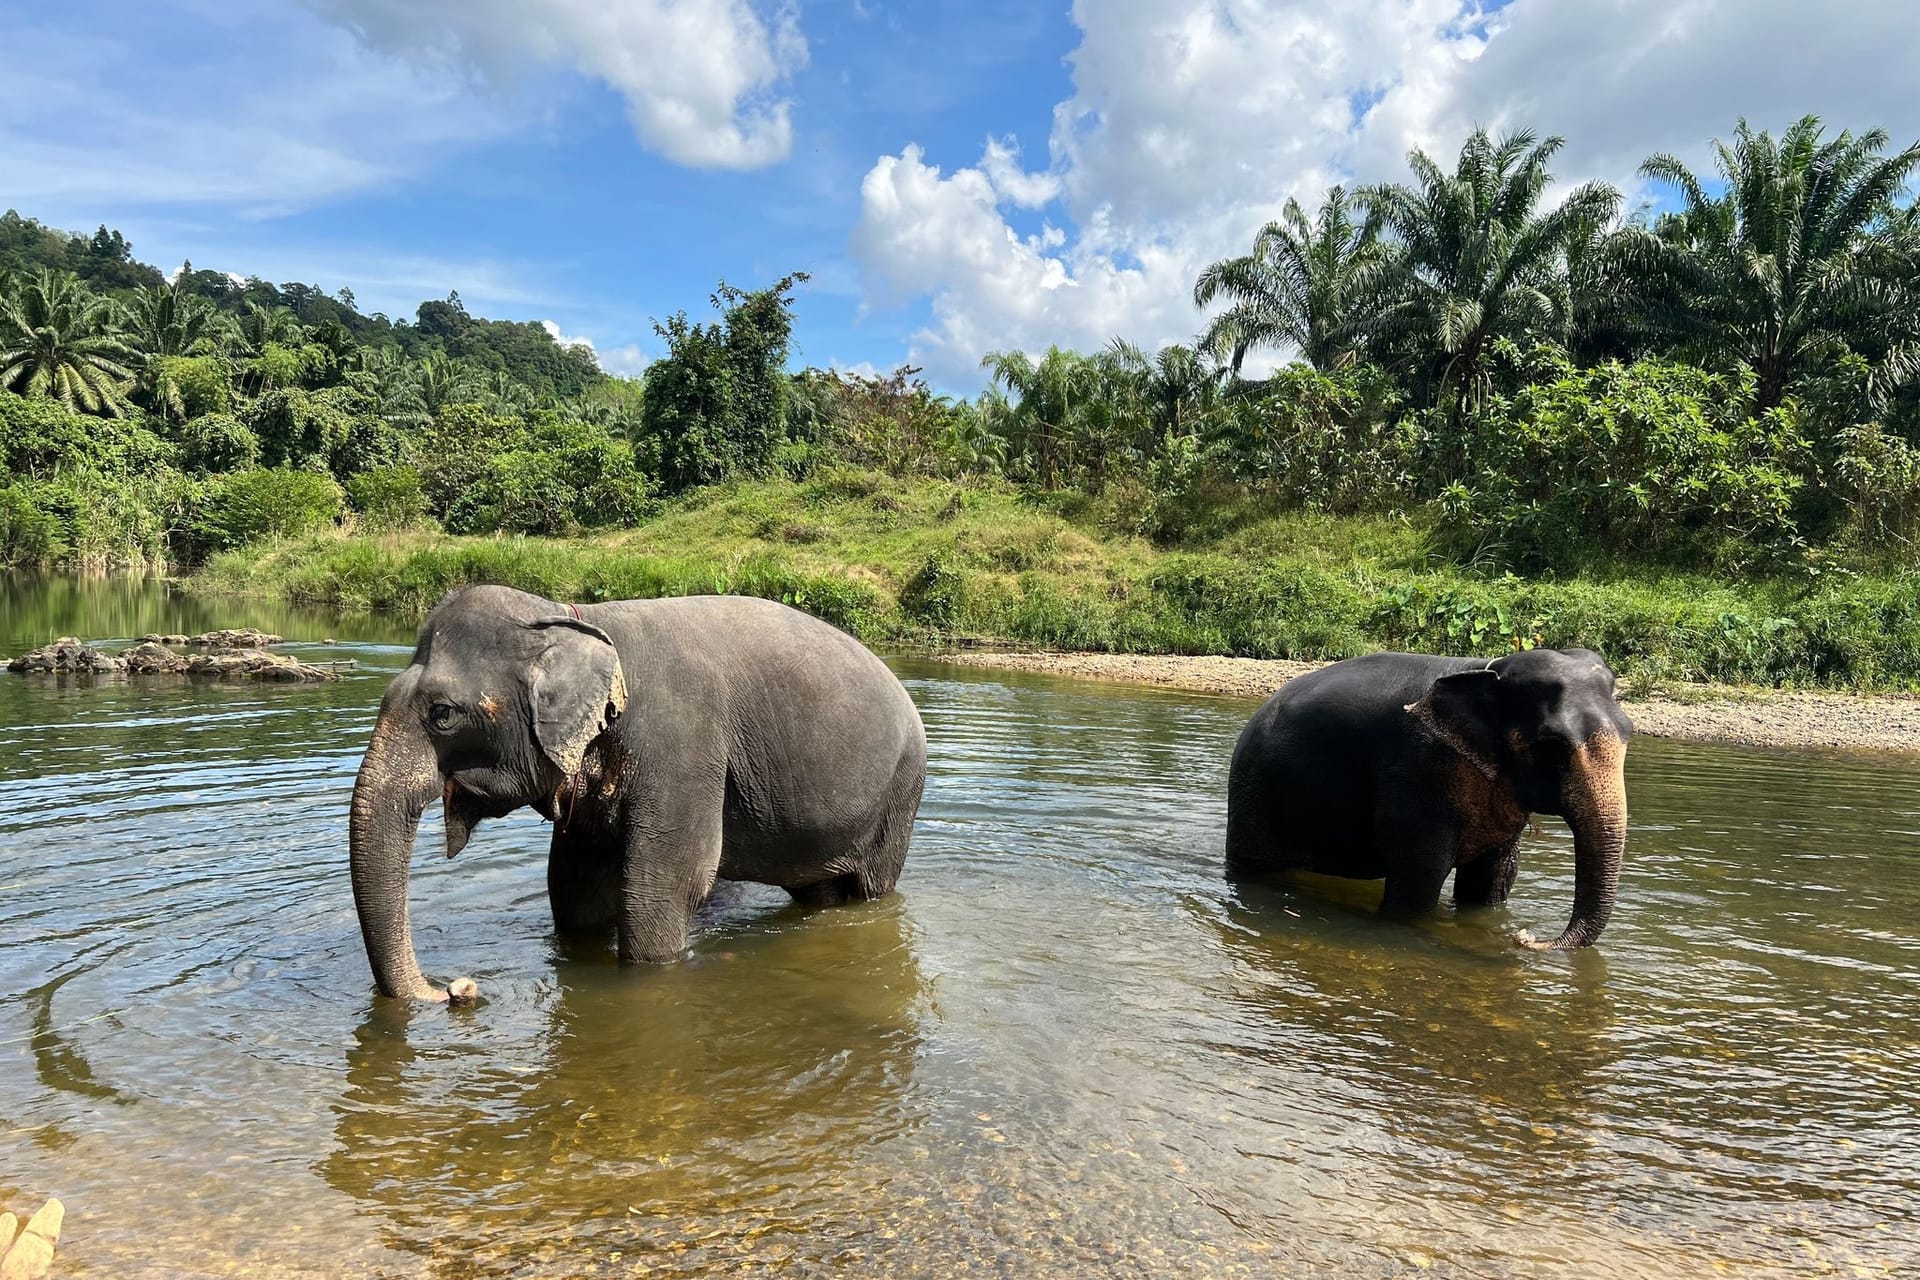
pixel 1410 768
pixel 671 743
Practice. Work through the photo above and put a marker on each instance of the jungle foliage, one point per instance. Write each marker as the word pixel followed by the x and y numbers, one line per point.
pixel 1537 383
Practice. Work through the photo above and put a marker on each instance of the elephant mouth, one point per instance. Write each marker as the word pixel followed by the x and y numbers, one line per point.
pixel 463 808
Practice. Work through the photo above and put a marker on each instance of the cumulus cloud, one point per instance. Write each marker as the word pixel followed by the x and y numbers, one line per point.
pixel 700 77
pixel 627 361
pixel 1192 121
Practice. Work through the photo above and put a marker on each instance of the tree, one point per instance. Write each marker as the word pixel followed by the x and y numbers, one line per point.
pixel 715 405
pixel 57 339
pixel 1801 256
pixel 1177 386
pixel 440 381
pixel 1047 394
pixel 1306 285
pixel 1474 260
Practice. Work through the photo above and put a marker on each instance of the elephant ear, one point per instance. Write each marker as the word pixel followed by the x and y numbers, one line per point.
pixel 1463 710
pixel 576 688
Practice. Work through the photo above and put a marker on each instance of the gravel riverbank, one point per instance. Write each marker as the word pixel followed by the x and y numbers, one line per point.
pixel 1757 717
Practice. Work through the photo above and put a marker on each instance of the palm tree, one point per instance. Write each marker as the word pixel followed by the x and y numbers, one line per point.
pixel 1475 261
pixel 59 339
pixel 260 327
pixel 441 381
pixel 1051 394
pixel 387 382
pixel 1177 386
pixel 1802 255
pixel 970 443
pixel 1306 285
pixel 166 325
pixel 505 393
pixel 167 322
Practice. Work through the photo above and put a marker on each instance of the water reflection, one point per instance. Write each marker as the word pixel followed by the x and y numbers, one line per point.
pixel 718 1113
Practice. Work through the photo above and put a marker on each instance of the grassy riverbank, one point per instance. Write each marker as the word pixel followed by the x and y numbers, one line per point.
pixel 928 562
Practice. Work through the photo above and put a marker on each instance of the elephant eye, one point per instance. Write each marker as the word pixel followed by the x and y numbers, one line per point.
pixel 442 716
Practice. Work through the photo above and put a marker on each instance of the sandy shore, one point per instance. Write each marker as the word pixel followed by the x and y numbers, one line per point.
pixel 1758 717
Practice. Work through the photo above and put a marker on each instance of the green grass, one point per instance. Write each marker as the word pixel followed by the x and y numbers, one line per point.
pixel 898 562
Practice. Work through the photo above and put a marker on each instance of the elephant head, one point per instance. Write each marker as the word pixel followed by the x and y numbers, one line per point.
pixel 504 695
pixel 1548 724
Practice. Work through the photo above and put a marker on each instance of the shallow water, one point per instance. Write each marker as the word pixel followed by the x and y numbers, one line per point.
pixel 1066 1047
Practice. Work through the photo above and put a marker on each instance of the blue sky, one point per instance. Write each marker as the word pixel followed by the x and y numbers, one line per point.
pixel 955 176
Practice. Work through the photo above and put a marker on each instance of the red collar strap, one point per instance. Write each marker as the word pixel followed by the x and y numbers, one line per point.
pixel 574 609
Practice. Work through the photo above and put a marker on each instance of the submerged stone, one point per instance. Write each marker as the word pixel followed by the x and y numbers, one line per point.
pixel 67 656
pixel 236 661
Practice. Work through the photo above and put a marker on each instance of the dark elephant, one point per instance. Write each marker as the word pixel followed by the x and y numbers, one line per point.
pixel 1405 767
pixel 671 743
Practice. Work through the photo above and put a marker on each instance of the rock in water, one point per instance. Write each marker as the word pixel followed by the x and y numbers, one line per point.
pixel 67 656
pixel 30 1257
pixel 238 638
pixel 149 658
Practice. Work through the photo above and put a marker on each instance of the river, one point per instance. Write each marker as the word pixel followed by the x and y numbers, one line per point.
pixel 1066 1047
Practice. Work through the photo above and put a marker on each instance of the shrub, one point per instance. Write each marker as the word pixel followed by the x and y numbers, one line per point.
pixel 41 438
pixel 1326 441
pixel 568 475
pixel 1659 458
pixel 1878 475
pixel 190 386
pixel 296 427
pixel 388 497
pixel 934 594
pixel 218 442
pixel 87 520
pixel 266 502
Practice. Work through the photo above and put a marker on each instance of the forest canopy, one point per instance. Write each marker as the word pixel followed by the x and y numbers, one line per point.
pixel 1542 379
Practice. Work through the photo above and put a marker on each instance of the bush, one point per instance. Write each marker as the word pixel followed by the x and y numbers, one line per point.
pixel 266 502
pixel 190 386
pixel 457 449
pixel 1327 442
pixel 1662 459
pixel 218 442
pixel 87 520
pixel 296 427
pixel 1878 476
pixel 41 438
pixel 389 497
pixel 935 594
pixel 568 475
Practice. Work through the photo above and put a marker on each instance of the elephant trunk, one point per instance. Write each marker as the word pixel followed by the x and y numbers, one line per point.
pixel 1595 804
pixel 398 779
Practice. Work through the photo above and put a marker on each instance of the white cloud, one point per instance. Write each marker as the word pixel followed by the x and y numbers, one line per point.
pixel 625 362
pixel 1192 121
pixel 700 77
pixel 1016 186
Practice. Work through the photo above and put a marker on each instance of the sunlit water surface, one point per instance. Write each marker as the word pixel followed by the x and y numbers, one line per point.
pixel 1066 1047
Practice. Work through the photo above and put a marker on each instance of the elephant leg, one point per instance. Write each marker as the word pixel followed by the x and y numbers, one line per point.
pixel 1488 879
pixel 583 885
pixel 827 893
pixel 670 869
pixel 1419 855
